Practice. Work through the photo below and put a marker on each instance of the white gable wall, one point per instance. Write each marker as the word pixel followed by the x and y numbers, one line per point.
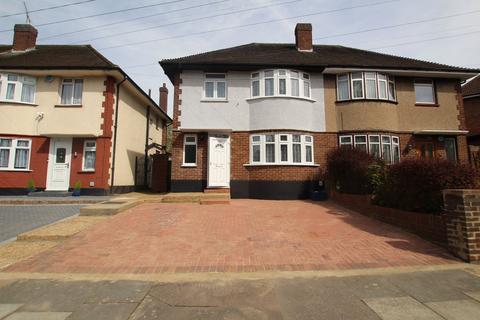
pixel 240 113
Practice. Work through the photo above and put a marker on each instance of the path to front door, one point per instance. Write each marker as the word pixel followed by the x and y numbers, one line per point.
pixel 246 235
pixel 59 160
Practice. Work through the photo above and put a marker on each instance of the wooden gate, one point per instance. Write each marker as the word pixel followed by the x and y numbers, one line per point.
pixel 160 176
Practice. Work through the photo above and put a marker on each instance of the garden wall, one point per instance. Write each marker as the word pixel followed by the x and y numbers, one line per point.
pixel 428 226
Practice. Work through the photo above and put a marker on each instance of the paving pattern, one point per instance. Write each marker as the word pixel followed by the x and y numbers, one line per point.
pixel 15 219
pixel 415 295
pixel 247 235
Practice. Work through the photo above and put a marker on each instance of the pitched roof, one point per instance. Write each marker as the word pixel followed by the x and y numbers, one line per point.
pixel 472 87
pixel 285 55
pixel 54 57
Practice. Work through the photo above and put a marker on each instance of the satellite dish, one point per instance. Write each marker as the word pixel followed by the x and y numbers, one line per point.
pixel 49 78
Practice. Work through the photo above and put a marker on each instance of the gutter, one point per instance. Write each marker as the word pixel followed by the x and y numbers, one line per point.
pixel 115 127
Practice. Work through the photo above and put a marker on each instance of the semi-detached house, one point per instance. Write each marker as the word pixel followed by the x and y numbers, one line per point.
pixel 67 115
pixel 259 119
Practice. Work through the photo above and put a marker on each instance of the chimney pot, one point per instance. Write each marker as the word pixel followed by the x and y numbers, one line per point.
pixel 24 37
pixel 163 103
pixel 303 37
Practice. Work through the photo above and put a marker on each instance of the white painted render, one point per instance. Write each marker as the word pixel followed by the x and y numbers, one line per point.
pixel 241 113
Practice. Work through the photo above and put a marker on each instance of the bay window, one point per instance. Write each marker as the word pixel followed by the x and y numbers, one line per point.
pixel 365 85
pixel 281 148
pixel 89 155
pixel 424 91
pixel 190 150
pixel 15 154
pixel 17 88
pixel 215 87
pixel 280 82
pixel 384 147
pixel 71 92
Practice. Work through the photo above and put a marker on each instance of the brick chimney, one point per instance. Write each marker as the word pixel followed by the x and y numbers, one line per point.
pixel 163 98
pixel 303 37
pixel 25 37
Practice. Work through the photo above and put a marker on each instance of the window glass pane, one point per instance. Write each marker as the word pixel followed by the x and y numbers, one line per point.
pixel 296 138
pixel 221 92
pixel 424 93
pixel 256 153
pixel 386 152
pixel 396 153
pixel 190 153
pixel 190 139
pixel 306 76
pixel 283 152
pixel 282 72
pixel 269 73
pixel 450 149
pixel 357 89
pixel 90 144
pixel 282 86
pixel 362 147
pixel 256 138
pixel 382 89
pixel 283 138
pixel 375 150
pixel 28 92
pixel 297 153
pixel 23 143
pixel 21 159
pixel 308 139
pixel 343 93
pixel 371 87
pixel 215 76
pixel 67 92
pixel 308 153
pixel 4 156
pixel 89 160
pixel 360 139
pixel 269 88
pixel 5 142
pixel 374 138
pixel 343 77
pixel 209 89
pixel 357 75
pixel 306 88
pixel 270 152
pixel 295 88
pixel 255 75
pixel 77 92
pixel 294 74
pixel 60 155
pixel 270 138
pixel 10 91
pixel 12 77
pixel 391 91
pixel 346 140
pixel 255 88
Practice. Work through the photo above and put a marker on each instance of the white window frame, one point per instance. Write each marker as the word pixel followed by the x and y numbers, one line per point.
pixel 19 83
pixel 352 80
pixel 352 143
pixel 347 81
pixel 385 81
pixel 85 149
pixel 280 74
pixel 395 145
pixel 13 148
pixel 367 76
pixel 425 83
pixel 343 143
pixel 71 98
pixel 215 82
pixel 377 143
pixel 355 143
pixel 278 143
pixel 195 143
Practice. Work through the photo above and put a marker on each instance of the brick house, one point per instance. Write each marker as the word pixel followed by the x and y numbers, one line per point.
pixel 471 102
pixel 260 118
pixel 68 114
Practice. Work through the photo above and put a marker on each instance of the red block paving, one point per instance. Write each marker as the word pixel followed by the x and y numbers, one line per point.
pixel 246 235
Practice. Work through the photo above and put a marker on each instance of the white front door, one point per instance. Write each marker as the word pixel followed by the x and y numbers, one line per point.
pixel 58 176
pixel 218 160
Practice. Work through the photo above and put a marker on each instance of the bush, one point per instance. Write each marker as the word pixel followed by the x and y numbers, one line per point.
pixel 348 170
pixel 416 185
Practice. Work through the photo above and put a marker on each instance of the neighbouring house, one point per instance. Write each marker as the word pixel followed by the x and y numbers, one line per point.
pixel 67 115
pixel 260 118
pixel 471 102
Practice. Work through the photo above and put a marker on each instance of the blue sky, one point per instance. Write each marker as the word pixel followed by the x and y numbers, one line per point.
pixel 454 40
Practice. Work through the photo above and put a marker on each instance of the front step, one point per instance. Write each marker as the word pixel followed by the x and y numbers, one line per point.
pixel 50 194
pixel 196 197
pixel 215 201
pixel 216 190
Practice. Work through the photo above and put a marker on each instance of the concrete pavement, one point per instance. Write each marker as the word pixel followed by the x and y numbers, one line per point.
pixel 444 294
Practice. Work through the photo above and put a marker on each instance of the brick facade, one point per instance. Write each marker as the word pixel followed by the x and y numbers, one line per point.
pixel 472 115
pixel 462 216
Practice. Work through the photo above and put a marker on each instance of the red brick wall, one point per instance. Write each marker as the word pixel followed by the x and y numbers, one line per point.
pixel 189 173
pixel 104 143
pixel 472 115
pixel 38 166
pixel 176 101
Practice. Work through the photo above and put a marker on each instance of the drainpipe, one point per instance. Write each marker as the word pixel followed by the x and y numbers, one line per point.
pixel 115 126
pixel 147 133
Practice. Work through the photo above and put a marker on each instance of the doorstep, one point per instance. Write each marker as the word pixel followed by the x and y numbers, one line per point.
pixel 197 197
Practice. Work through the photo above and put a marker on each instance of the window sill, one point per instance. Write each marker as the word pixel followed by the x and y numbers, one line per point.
pixel 15 170
pixel 427 104
pixel 281 97
pixel 281 165
pixel 366 100
pixel 68 106
pixel 188 165
pixel 213 100
pixel 86 171
pixel 18 103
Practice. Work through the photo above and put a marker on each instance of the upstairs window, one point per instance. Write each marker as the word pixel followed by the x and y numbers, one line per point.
pixel 215 87
pixel 366 85
pixel 14 154
pixel 17 88
pixel 424 91
pixel 71 92
pixel 276 83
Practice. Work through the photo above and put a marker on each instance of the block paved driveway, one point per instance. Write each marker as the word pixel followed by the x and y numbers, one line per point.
pixel 15 219
pixel 246 235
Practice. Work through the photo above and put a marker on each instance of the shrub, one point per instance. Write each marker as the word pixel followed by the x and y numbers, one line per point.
pixel 348 170
pixel 77 185
pixel 31 185
pixel 416 185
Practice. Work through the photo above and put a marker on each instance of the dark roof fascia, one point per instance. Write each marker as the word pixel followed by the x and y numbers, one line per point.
pixel 472 96
pixel 58 68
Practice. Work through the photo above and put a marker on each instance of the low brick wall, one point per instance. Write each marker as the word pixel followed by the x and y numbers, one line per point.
pixel 428 226
pixel 462 217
